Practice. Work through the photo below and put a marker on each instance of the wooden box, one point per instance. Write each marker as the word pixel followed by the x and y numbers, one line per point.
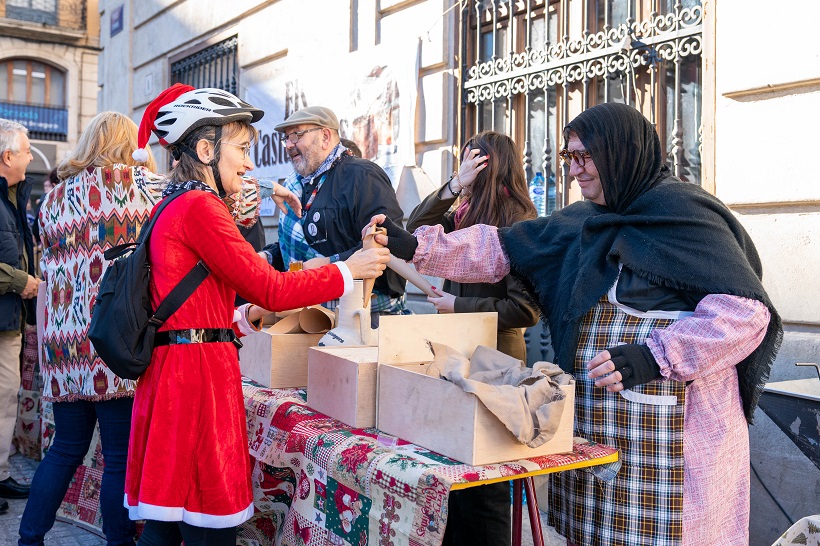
pixel 342 383
pixel 438 415
pixel 277 360
pixel 277 356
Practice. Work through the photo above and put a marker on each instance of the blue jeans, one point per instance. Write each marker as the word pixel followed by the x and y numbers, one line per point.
pixel 74 425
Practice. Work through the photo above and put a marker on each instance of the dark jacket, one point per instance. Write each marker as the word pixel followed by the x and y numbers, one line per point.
pixel 505 297
pixel 15 239
pixel 354 191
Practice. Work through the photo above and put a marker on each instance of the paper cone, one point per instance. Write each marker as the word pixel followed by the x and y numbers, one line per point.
pixel 369 241
pixel 409 272
pixel 316 319
pixel 288 325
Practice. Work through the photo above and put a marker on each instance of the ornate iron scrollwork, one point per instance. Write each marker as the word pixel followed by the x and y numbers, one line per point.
pixel 670 37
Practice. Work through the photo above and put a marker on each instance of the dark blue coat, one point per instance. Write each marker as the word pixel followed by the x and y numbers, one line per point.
pixel 15 238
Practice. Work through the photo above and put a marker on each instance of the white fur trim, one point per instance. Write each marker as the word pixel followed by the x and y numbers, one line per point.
pixel 346 275
pixel 140 154
pixel 197 519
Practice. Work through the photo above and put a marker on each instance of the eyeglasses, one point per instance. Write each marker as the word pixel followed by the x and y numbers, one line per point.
pixel 580 157
pixel 296 135
pixel 246 148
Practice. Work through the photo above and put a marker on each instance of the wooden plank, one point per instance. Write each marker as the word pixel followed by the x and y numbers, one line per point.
pixel 403 338
pixel 342 383
pixel 426 411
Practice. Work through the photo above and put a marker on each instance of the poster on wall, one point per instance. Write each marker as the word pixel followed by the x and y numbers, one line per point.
pixel 372 93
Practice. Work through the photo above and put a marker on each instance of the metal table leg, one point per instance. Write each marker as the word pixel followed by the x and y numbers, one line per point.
pixel 516 517
pixel 535 515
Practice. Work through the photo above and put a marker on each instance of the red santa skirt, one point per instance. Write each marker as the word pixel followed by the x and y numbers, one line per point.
pixel 188 458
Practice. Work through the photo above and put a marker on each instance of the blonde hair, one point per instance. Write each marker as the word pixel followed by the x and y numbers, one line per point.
pixel 109 138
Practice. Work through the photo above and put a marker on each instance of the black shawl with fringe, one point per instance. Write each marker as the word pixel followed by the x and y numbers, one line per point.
pixel 672 233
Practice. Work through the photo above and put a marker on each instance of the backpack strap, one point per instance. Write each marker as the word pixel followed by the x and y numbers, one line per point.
pixel 186 286
pixel 179 294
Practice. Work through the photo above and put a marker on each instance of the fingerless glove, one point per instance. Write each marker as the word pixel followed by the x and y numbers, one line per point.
pixel 636 364
pixel 401 243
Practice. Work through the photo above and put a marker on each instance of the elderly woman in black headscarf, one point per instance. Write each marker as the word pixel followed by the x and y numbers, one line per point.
pixel 652 291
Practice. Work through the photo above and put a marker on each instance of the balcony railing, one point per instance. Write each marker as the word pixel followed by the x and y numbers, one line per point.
pixel 67 14
pixel 43 122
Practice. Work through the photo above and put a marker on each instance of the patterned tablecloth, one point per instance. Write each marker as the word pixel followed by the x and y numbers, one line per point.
pixel 317 481
pixel 805 531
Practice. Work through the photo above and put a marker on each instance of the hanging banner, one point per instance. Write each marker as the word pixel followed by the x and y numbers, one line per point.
pixel 373 94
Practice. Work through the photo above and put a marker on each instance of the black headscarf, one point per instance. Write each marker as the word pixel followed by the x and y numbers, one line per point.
pixel 670 232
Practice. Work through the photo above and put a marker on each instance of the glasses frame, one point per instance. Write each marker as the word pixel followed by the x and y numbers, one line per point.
pixel 246 148
pixel 580 157
pixel 298 134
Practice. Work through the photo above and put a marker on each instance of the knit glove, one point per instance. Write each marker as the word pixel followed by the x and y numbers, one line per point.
pixel 401 243
pixel 636 364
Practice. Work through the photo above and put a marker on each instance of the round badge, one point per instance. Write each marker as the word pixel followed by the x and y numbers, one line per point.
pixel 316 216
pixel 312 230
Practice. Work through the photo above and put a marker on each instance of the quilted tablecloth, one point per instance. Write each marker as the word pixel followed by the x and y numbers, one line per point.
pixel 317 481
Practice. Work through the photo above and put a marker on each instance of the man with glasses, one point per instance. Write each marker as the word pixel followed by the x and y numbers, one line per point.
pixel 18 286
pixel 340 193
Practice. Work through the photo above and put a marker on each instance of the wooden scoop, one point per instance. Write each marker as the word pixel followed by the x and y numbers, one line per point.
pixel 369 241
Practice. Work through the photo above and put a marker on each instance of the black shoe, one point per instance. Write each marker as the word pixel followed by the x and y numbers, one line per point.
pixel 10 489
pixel 4 507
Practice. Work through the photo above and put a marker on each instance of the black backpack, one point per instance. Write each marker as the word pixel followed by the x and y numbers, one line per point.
pixel 123 325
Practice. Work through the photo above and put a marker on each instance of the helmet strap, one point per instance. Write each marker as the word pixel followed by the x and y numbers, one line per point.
pixel 215 161
pixel 181 147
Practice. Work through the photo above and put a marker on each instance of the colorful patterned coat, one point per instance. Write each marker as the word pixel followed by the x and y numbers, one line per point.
pixel 80 219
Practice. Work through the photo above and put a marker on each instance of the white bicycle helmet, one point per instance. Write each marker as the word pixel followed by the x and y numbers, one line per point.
pixel 181 109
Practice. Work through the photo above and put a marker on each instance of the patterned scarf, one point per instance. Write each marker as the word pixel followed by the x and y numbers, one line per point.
pixel 292 241
pixel 189 185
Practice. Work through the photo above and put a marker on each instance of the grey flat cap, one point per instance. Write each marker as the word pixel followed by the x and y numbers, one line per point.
pixel 312 115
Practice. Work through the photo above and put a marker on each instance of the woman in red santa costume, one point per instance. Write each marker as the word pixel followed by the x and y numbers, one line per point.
pixel 188 470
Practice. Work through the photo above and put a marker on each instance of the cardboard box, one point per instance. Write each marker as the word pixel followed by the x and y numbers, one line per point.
pixel 342 383
pixel 438 415
pixel 277 356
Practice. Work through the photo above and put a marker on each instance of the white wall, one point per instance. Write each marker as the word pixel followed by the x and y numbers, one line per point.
pixel 767 83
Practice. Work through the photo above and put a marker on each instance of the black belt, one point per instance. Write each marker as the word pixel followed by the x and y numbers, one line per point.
pixel 196 335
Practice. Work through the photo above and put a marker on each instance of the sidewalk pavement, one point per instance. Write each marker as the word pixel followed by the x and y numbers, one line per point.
pixel 66 534
pixel 62 534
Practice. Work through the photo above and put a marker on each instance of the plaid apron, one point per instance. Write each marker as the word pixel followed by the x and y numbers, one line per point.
pixel 643 504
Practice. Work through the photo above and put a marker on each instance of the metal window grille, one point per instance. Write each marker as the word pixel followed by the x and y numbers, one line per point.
pixel 215 66
pixel 528 66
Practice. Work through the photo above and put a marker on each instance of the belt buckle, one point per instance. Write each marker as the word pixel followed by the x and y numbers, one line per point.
pixel 197 336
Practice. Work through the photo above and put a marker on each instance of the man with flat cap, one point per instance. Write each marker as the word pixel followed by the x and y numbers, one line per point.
pixel 340 193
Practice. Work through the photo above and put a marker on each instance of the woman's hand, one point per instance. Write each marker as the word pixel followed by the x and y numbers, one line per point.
pixel 256 313
pixel 602 369
pixel 445 303
pixel 283 196
pixel 471 164
pixel 368 264
pixel 401 242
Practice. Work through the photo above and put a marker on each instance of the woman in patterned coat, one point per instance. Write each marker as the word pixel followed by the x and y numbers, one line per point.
pixel 653 294
pixel 189 471
pixel 103 200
